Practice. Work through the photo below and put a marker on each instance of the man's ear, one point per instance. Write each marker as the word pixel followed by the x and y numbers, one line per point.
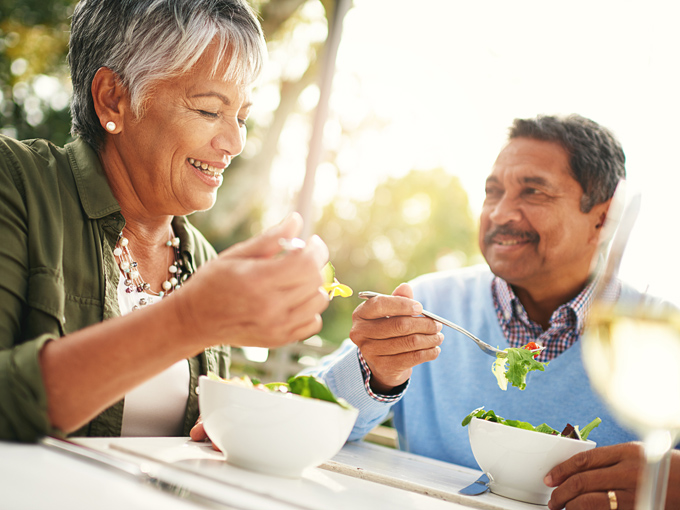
pixel 600 212
pixel 110 99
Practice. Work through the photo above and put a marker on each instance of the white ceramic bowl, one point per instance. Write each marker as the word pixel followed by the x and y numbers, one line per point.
pixel 517 460
pixel 273 433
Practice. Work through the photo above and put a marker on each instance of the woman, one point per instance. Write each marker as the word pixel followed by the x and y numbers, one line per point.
pixel 161 94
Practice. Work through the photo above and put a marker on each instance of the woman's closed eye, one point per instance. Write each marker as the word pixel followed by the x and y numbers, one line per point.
pixel 209 115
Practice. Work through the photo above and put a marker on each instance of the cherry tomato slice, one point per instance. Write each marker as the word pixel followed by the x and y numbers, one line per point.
pixel 531 346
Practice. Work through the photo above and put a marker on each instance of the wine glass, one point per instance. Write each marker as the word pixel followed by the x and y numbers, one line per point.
pixel 631 344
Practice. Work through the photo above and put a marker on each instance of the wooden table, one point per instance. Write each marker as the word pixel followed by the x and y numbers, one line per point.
pixel 361 476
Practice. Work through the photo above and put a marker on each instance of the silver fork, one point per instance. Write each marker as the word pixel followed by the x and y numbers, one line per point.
pixel 486 348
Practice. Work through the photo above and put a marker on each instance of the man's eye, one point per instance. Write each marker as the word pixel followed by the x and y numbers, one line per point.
pixel 242 122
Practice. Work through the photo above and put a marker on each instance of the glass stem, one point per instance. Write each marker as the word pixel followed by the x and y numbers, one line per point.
pixel 651 493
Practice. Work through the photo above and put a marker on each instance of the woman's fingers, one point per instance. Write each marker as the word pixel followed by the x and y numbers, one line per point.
pixel 197 432
pixel 257 301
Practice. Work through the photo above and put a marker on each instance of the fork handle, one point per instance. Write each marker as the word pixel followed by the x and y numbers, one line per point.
pixel 488 349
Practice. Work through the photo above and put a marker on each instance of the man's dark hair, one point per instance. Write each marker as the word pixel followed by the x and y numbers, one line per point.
pixel 596 158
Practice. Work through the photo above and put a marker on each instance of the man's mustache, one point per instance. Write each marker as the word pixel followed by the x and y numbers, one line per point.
pixel 505 230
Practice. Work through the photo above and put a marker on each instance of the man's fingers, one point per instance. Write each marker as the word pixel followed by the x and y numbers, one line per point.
pixel 403 290
pixel 393 338
pixel 624 500
pixel 400 345
pixel 391 371
pixel 584 478
pixel 592 459
pixel 623 476
pixel 406 360
pixel 387 306
pixel 395 327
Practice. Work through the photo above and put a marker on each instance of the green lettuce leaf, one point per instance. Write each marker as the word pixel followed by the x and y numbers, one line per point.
pixel 515 366
pixel 313 387
pixel 304 385
pixel 542 428
pixel 589 428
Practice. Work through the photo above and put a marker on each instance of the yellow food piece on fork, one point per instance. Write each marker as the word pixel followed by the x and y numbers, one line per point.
pixel 332 286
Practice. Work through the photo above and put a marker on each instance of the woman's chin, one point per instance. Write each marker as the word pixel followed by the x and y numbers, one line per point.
pixel 205 203
pixel 197 202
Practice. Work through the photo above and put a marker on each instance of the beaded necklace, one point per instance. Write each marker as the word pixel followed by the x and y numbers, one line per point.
pixel 134 281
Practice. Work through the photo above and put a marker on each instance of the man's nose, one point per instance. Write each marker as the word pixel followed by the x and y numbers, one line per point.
pixel 506 210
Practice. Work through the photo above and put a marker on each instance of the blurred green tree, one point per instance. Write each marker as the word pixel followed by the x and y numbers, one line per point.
pixel 413 225
pixel 296 33
pixel 34 82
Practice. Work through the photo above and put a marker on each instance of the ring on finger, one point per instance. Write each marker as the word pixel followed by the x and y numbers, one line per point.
pixel 613 502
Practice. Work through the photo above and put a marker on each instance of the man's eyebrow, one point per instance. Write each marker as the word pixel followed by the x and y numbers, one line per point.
pixel 221 97
pixel 540 181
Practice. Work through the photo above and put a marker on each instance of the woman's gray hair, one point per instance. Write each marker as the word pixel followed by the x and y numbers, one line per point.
pixel 145 41
pixel 596 158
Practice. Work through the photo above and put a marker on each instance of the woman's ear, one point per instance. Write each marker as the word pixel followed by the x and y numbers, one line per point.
pixel 109 96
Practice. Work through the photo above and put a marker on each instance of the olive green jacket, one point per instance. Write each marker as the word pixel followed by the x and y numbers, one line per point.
pixel 59 222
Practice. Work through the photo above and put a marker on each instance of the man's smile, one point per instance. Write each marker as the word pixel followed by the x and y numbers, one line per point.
pixel 508 242
pixel 503 235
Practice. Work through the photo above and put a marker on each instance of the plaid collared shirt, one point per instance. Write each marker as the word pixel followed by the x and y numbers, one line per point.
pixel 566 323
pixel 366 374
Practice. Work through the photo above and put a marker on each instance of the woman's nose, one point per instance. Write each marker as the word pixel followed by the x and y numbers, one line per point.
pixel 231 139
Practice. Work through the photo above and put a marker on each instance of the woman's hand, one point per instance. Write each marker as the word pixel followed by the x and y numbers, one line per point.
pixel 255 295
pixel 584 480
pixel 391 339
pixel 197 433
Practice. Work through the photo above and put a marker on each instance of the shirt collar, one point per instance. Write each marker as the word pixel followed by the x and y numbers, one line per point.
pixel 511 307
pixel 93 187
pixel 98 200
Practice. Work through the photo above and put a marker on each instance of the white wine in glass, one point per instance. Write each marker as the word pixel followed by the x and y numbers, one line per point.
pixel 631 351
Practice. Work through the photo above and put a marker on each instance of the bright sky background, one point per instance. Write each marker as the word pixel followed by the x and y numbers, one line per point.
pixel 452 75
pixel 448 77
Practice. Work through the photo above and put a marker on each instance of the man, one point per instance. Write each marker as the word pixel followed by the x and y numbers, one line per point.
pixel 546 201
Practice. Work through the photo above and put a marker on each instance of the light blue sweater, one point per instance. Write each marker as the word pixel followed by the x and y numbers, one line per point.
pixel 442 392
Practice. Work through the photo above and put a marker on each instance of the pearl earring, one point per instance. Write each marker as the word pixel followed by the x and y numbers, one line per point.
pixel 111 126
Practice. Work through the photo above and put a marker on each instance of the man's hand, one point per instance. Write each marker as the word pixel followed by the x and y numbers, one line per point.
pixel 392 339
pixel 584 480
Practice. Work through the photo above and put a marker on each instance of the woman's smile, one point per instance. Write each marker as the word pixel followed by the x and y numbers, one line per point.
pixel 209 175
pixel 207 168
